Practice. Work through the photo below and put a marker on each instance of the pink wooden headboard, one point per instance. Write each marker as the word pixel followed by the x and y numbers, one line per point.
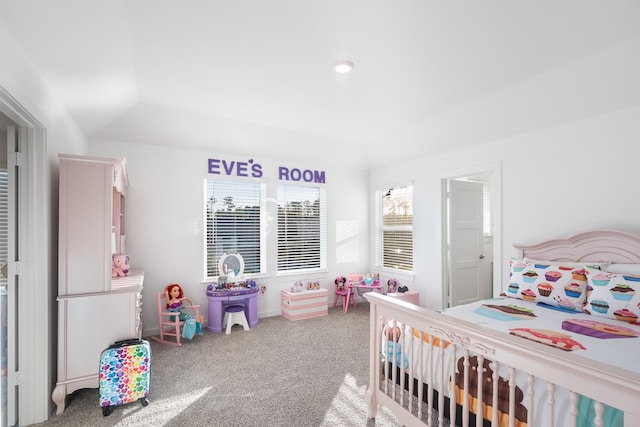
pixel 596 246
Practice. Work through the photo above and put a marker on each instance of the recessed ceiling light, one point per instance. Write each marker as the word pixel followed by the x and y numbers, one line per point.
pixel 343 67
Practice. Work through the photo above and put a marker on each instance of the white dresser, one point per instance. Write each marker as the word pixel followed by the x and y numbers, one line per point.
pixel 94 309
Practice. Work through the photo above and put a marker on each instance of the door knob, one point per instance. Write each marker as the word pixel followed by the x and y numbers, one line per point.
pixel 481 256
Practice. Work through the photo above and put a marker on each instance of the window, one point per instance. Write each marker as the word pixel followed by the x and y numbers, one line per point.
pixel 301 228
pixel 394 221
pixel 235 224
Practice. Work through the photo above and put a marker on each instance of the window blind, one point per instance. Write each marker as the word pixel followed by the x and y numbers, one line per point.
pixel 486 210
pixel 234 224
pixel 395 226
pixel 301 228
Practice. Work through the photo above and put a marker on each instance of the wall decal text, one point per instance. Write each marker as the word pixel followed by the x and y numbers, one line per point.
pixel 249 169
pixel 295 174
pixel 231 168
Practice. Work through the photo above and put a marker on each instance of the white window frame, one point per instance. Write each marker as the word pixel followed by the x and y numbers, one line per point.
pixel 322 231
pixel 381 228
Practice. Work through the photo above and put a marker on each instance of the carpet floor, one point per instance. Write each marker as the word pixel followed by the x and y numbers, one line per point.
pixel 311 372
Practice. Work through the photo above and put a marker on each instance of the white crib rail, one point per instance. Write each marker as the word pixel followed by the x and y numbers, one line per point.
pixel 605 384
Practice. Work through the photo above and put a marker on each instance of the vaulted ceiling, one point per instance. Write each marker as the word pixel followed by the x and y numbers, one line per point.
pixel 255 77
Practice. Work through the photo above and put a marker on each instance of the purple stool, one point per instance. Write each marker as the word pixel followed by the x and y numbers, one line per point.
pixel 234 315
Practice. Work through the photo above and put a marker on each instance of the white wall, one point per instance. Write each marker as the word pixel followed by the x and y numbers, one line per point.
pixel 24 83
pixel 567 145
pixel 164 214
pixel 556 182
pixel 559 139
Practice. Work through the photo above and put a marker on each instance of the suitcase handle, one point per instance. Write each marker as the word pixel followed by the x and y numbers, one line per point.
pixel 124 343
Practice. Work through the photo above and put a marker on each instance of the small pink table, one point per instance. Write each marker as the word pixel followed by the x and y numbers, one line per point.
pixel 362 288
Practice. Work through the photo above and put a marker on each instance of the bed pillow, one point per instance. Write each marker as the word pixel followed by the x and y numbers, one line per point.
pixel 613 295
pixel 556 284
pixel 516 268
pixel 632 269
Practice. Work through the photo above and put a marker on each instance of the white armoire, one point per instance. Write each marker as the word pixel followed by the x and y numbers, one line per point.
pixel 94 309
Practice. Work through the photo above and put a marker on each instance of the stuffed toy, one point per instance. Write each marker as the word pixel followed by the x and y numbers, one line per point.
pixel 120 265
pixel 394 348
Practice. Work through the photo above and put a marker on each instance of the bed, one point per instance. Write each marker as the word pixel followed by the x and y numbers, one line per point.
pixel 559 347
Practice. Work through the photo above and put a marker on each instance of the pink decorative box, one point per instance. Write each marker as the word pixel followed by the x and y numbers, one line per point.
pixel 305 304
pixel 410 296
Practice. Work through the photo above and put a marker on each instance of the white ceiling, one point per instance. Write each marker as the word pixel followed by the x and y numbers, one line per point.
pixel 255 76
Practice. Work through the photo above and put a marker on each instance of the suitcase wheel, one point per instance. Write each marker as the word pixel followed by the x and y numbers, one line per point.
pixel 106 410
pixel 144 401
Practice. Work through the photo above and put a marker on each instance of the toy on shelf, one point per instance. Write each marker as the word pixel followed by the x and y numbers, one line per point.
pixel 223 285
pixel 313 286
pixel 371 280
pixel 120 265
pixel 298 286
pixel 363 280
pixel 355 279
pixel 392 286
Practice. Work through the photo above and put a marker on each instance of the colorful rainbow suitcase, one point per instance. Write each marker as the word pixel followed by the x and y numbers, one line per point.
pixel 125 370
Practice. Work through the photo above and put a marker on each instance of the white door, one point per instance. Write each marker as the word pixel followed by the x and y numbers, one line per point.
pixel 466 243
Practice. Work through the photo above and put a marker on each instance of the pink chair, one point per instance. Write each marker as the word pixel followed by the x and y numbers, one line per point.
pixel 170 323
pixel 344 291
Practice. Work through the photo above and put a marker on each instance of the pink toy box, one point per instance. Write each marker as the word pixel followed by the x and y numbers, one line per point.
pixel 305 304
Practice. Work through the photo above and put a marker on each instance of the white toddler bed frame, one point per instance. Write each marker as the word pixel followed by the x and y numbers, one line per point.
pixel 391 384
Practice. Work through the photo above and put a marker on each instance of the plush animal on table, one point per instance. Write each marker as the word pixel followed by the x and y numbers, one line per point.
pixel 120 265
pixel 340 282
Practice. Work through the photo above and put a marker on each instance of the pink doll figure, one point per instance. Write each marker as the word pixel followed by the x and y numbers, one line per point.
pixel 119 265
pixel 175 298
pixel 392 285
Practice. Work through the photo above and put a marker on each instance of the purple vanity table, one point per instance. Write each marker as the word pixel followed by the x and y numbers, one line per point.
pixel 219 299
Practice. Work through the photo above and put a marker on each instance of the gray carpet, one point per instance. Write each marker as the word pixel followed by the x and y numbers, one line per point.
pixel 311 372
